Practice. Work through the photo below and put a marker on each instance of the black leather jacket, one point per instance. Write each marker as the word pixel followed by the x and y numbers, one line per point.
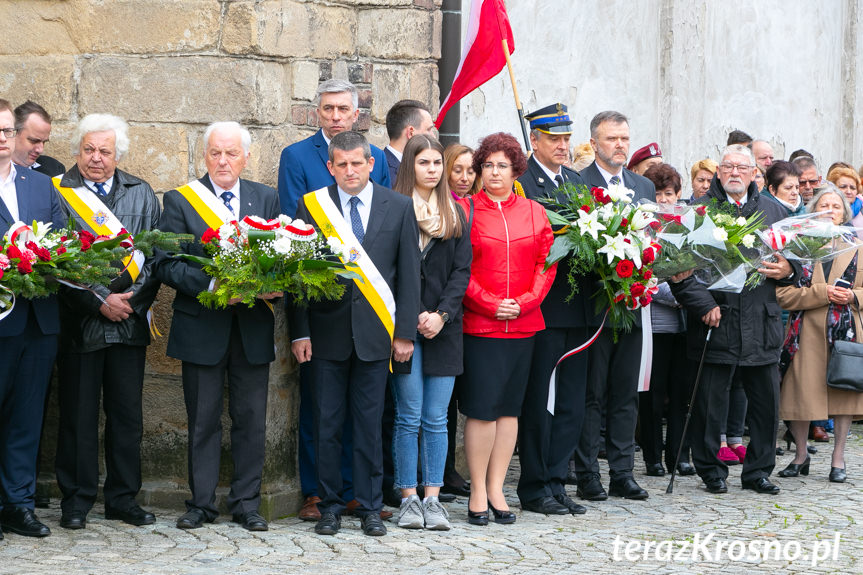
pixel 82 326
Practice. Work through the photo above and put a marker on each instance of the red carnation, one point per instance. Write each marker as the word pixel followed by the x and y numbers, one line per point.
pixel 624 222
pixel 648 255
pixel 636 289
pixel 13 252
pixel 209 236
pixel 701 210
pixel 645 300
pixel 24 267
pixel 600 196
pixel 654 225
pixel 624 268
pixel 648 274
pixel 85 244
pixel 61 250
pixel 63 238
pixel 85 235
pixel 585 208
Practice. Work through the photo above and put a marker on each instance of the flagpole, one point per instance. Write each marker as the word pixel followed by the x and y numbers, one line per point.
pixel 515 94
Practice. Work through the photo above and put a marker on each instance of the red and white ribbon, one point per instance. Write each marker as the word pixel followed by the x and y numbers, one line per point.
pixel 17 229
pixel 552 382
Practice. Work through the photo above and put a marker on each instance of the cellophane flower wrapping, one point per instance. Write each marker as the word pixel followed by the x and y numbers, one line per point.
pixel 807 238
pixel 602 232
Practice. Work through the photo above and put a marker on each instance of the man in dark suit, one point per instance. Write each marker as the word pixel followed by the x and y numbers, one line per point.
pixel 28 344
pixel 404 120
pixel 237 341
pixel 546 442
pixel 349 342
pixel 104 337
pixel 303 165
pixel 34 130
pixel 612 376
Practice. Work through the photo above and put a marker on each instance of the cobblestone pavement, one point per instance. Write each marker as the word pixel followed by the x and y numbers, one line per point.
pixel 808 513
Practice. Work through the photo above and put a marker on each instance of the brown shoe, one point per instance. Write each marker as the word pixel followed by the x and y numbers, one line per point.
pixel 817 433
pixel 309 510
pixel 353 504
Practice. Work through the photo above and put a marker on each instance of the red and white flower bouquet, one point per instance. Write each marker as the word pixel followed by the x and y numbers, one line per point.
pixel 603 232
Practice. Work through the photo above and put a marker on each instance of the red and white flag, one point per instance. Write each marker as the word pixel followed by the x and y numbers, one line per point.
pixel 482 55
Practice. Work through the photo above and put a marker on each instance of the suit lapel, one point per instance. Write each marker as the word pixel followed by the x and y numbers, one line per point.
pixel 334 196
pixel 249 200
pixel 377 212
pixel 321 146
pixel 22 190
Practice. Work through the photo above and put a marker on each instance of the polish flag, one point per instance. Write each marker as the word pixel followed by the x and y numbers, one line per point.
pixel 482 55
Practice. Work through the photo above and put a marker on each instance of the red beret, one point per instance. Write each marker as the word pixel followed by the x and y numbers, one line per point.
pixel 651 150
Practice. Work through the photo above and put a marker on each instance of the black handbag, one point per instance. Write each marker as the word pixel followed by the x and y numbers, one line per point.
pixel 845 368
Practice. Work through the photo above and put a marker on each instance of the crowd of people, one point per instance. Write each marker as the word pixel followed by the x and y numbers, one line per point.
pixel 456 311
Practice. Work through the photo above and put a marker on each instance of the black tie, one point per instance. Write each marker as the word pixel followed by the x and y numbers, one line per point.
pixel 559 179
pixel 356 222
pixel 614 180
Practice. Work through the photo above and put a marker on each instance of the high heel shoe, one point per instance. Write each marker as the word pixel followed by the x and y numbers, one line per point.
pixel 476 517
pixel 837 474
pixel 503 517
pixel 789 439
pixel 795 469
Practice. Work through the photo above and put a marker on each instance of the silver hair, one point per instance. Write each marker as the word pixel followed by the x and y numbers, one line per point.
pixel 335 86
pixel 804 163
pixel 829 188
pixel 245 136
pixel 607 116
pixel 102 123
pixel 740 150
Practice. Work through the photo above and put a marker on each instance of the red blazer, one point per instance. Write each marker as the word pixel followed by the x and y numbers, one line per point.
pixel 510 242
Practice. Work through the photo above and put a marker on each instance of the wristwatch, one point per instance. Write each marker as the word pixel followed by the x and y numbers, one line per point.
pixel 443 315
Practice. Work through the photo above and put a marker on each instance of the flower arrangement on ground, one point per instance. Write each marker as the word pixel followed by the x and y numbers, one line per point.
pixel 256 256
pixel 718 245
pixel 603 232
pixel 35 260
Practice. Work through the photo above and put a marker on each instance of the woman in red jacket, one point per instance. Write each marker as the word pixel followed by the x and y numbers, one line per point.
pixel 510 237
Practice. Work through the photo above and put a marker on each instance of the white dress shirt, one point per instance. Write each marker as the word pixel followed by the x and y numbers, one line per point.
pixel 364 207
pixel 549 173
pixel 395 153
pixel 609 175
pixel 235 201
pixel 9 194
pixel 92 185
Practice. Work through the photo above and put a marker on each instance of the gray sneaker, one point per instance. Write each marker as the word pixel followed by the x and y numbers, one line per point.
pixel 411 513
pixel 435 515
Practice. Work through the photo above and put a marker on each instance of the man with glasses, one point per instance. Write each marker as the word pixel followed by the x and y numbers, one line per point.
pixel 28 344
pixel 745 342
pixel 810 179
pixel 613 366
pixel 34 130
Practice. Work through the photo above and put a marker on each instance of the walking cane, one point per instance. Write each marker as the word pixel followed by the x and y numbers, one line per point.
pixel 689 413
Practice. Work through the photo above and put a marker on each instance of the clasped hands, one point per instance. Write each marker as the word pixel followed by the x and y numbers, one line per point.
pixel 507 309
pixel 839 295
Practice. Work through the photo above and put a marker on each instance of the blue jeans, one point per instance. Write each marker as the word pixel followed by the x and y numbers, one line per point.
pixel 421 400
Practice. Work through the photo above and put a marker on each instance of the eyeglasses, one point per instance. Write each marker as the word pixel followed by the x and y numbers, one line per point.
pixel 810 183
pixel 728 168
pixel 9 132
pixel 501 166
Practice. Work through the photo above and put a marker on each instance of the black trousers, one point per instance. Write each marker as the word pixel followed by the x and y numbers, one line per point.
pixel 359 386
pixel 612 380
pixel 113 376
pixel 761 384
pixel 26 361
pixel 671 378
pixel 546 442
pixel 203 388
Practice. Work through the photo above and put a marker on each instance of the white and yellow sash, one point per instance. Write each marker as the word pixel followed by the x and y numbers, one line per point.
pixel 94 214
pixel 211 209
pixel 373 286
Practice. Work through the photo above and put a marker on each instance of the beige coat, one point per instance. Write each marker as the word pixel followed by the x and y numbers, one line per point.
pixel 804 395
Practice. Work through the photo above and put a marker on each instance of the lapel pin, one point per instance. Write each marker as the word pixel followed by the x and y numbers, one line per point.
pixel 540 180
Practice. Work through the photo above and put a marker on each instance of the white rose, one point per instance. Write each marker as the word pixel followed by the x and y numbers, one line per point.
pixel 748 240
pixel 226 231
pixel 282 245
pixel 720 234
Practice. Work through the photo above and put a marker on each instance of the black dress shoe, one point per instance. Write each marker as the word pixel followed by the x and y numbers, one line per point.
pixel 328 524
pixel 761 485
pixel 591 488
pixel 73 520
pixel 446 497
pixel 392 497
pixel 133 515
pixel 796 469
pixel 251 521
pixel 627 488
pixel 837 474
pixel 655 469
pixel 545 505
pixel 372 525
pixel 42 501
pixel 571 506
pixel 571 475
pixel 716 485
pixel 685 468
pixel 23 521
pixel 502 517
pixel 192 519
pixel 462 490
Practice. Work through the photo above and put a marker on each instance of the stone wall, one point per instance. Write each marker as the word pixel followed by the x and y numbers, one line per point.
pixel 170 67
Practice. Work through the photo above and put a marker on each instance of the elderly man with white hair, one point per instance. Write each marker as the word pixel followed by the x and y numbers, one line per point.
pixel 104 332
pixel 212 343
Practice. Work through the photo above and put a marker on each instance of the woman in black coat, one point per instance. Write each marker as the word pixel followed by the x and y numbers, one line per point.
pixel 422 395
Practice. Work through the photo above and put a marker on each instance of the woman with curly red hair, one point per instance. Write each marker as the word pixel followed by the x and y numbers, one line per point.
pixel 510 237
